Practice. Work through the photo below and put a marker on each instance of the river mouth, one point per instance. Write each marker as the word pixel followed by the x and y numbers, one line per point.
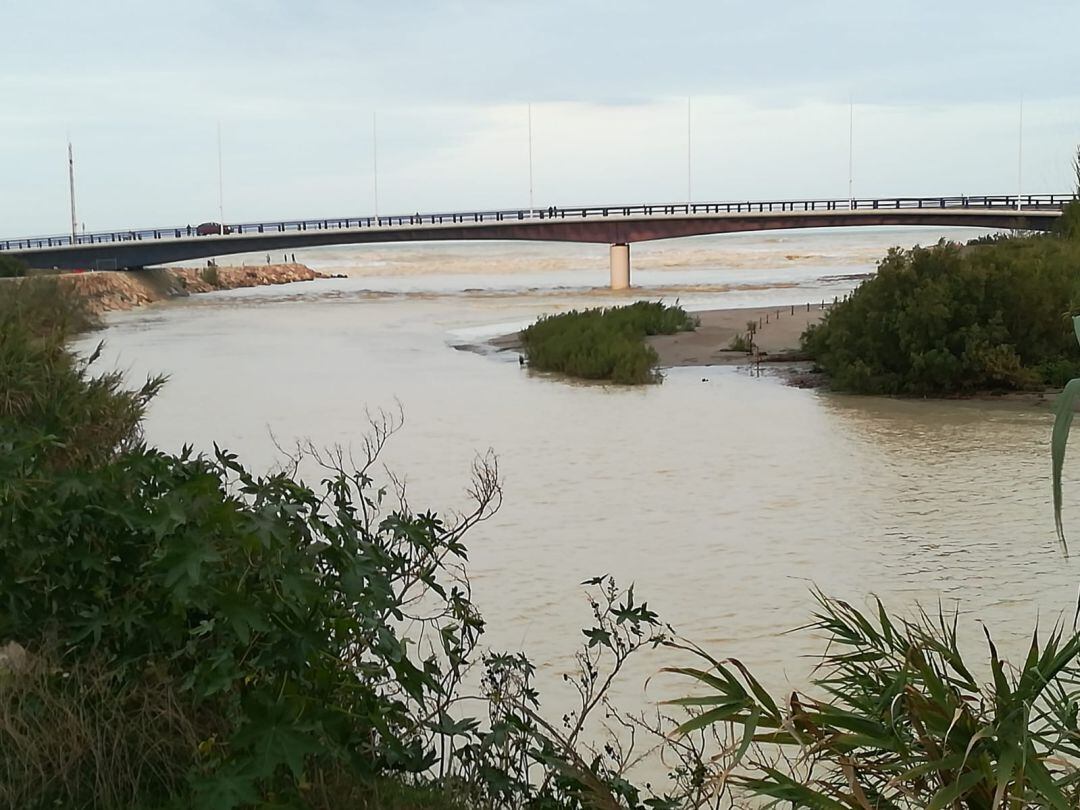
pixel 722 495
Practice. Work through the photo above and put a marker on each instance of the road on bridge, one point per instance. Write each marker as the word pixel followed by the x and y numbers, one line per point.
pixel 616 225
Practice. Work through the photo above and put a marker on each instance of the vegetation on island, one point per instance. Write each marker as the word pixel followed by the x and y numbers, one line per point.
pixel 178 631
pixel 604 343
pixel 957 319
pixel 991 315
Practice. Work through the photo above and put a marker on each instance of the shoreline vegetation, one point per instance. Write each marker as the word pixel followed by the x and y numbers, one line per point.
pixel 990 316
pixel 179 631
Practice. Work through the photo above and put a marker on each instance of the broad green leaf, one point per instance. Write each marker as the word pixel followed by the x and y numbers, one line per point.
pixel 1063 417
pixel 276 743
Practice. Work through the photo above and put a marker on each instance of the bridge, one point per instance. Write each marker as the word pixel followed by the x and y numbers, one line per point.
pixel 616 225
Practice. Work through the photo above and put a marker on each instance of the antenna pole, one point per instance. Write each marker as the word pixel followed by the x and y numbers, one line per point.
pixel 1020 156
pixel 375 159
pixel 71 189
pixel 851 152
pixel 530 161
pixel 220 184
pixel 689 156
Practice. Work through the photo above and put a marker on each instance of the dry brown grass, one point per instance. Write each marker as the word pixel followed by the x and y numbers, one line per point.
pixel 77 738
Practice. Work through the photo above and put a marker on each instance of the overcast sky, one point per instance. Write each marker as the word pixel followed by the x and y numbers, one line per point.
pixel 141 87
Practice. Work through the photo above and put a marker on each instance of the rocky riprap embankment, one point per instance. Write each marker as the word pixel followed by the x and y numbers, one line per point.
pixel 119 290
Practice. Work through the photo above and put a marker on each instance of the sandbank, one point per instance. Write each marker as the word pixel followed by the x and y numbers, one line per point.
pixel 776 338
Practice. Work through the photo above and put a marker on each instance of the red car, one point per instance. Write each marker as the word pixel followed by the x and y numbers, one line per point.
pixel 207 228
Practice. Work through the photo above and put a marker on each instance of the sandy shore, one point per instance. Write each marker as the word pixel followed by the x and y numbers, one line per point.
pixel 777 337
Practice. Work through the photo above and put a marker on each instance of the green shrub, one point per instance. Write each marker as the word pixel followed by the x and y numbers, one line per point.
pixel 269 605
pixel 604 344
pixel 1068 226
pixel 10 267
pixel 47 396
pixel 952 319
pixel 741 343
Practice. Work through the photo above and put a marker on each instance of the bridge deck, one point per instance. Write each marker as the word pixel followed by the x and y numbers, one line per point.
pixel 611 224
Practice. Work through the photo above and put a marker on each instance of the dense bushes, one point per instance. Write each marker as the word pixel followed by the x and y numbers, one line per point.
pixel 1068 226
pixel 268 606
pixel 11 268
pixel 200 636
pixel 604 344
pixel 64 416
pixel 957 319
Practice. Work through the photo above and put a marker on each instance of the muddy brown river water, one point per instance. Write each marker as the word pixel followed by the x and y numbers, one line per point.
pixel 724 497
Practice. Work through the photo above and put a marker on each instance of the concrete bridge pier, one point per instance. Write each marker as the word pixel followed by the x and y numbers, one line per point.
pixel 620 266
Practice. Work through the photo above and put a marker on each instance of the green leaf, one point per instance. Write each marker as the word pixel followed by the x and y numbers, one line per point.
pixel 1044 783
pixel 225 790
pixel 1063 416
pixel 185 568
pixel 748 734
pixel 243 617
pixel 279 742
pixel 598 635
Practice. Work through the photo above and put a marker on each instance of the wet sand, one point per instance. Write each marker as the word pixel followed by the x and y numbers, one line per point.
pixel 777 338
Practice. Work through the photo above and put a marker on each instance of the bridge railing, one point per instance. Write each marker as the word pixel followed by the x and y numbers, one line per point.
pixel 1027 202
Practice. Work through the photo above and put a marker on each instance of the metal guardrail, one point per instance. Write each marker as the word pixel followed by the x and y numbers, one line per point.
pixel 1027 202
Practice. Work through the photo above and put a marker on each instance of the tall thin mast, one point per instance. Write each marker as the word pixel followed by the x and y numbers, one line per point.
pixel 1020 156
pixel 689 156
pixel 851 152
pixel 71 189
pixel 220 183
pixel 375 159
pixel 530 160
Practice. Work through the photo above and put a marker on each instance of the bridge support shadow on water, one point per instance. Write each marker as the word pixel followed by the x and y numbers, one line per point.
pixel 617 226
